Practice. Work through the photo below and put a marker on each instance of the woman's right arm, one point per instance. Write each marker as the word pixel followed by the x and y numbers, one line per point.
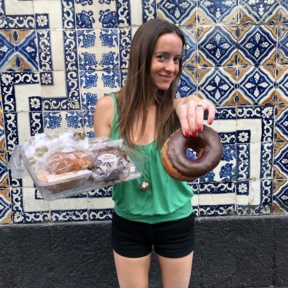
pixel 103 116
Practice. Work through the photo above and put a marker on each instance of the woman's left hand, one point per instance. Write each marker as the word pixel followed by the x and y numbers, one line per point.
pixel 191 112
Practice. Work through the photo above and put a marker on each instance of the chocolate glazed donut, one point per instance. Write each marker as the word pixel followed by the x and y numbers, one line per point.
pixel 207 145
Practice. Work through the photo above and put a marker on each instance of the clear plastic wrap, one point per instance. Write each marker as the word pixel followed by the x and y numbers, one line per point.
pixel 71 164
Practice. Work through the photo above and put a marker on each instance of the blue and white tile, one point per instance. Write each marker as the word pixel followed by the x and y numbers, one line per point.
pixel 4 175
pixel 16 15
pixel 257 85
pixel 217 45
pixel 99 83
pixel 41 101
pixel 125 36
pixel 100 204
pixel 216 199
pixel 98 49
pixel 212 12
pixel 13 89
pixel 180 12
pixel 282 49
pixel 90 15
pixel 281 123
pixel 2 131
pixel 5 206
pixel 261 11
pixel 69 209
pixel 43 9
pixel 259 199
pixel 26 209
pixel 256 43
pixel 52 53
pixel 283 12
pixel 71 120
pixel 18 50
pixel 191 45
pixel 216 85
pixel 280 196
pixel 281 85
pixel 88 122
pixel 134 13
pixel 280 160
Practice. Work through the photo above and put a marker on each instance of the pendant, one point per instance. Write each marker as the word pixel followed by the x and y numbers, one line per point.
pixel 144 185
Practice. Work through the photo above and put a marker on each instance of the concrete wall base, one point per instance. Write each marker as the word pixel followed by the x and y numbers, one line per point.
pixel 231 252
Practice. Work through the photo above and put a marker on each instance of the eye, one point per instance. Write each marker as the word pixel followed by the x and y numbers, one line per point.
pixel 177 60
pixel 161 57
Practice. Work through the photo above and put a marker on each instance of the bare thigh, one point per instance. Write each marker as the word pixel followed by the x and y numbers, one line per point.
pixel 132 272
pixel 176 272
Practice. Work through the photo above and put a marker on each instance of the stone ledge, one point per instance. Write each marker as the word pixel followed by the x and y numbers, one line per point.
pixel 231 252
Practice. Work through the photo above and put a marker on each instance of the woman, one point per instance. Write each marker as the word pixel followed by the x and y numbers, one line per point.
pixel 155 210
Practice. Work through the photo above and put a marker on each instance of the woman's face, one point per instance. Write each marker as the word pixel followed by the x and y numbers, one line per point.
pixel 166 60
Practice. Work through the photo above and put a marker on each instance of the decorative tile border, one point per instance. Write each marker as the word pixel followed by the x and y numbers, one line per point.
pixel 238 63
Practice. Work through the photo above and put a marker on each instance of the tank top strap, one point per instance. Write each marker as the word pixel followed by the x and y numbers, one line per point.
pixel 114 132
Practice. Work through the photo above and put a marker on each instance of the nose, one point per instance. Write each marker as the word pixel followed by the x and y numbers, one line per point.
pixel 170 66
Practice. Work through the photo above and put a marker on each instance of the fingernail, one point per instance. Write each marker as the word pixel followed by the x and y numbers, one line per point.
pixel 194 134
pixel 210 122
pixel 199 127
pixel 186 133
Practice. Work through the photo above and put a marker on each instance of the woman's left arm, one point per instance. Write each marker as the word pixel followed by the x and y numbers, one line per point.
pixel 191 111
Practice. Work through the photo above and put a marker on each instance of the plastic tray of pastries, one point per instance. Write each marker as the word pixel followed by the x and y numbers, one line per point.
pixel 52 186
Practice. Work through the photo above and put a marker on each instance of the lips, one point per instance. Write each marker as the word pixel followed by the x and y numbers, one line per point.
pixel 166 77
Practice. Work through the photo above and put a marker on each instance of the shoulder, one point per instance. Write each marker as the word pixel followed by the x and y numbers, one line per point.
pixel 105 102
pixel 103 117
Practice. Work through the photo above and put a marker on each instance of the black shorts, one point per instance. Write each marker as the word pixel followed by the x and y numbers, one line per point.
pixel 173 239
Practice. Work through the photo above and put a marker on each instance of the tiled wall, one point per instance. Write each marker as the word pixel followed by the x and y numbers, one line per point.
pixel 57 57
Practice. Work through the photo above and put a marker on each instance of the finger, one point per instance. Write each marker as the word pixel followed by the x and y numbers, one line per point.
pixel 209 111
pixel 199 111
pixel 211 114
pixel 182 115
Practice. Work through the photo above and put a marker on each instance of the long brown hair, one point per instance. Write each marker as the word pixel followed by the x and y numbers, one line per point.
pixel 136 93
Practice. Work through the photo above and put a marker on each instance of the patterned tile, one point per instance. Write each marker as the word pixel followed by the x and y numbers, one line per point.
pixel 44 8
pixel 283 12
pixel 256 43
pixel 54 70
pixel 5 206
pixel 34 210
pixel 216 45
pixel 179 12
pixel 2 133
pixel 282 49
pixel 18 50
pixel 89 15
pixel 280 160
pixel 256 85
pixel 4 181
pixel 211 12
pixel 281 84
pixel 260 11
pixel 280 196
pixel 216 84
pixel 15 16
pixel 98 49
pixel 281 123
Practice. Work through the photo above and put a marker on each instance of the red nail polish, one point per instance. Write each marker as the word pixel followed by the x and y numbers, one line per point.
pixel 186 133
pixel 199 127
pixel 194 134
pixel 210 122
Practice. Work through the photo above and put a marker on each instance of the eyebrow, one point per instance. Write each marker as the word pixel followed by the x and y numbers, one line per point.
pixel 165 52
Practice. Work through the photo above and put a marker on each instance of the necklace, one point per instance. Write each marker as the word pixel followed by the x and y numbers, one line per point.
pixel 144 185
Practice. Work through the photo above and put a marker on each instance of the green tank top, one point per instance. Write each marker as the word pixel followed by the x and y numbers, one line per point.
pixel 166 198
